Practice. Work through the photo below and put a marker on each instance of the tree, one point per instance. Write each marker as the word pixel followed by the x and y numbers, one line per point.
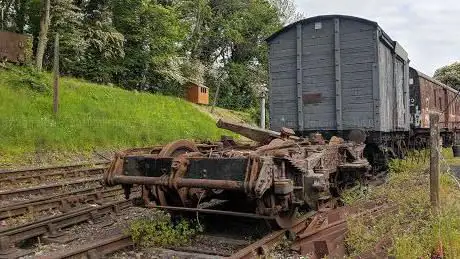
pixel 287 11
pixel 67 20
pixel 156 45
pixel 449 75
pixel 236 48
pixel 43 39
pixel 153 36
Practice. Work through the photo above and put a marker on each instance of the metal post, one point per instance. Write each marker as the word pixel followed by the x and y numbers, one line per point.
pixel 263 94
pixel 56 75
pixel 434 162
pixel 262 111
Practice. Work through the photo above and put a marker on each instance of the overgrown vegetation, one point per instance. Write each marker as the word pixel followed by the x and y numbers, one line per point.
pixel 155 46
pixel 412 229
pixel 90 117
pixel 160 231
pixel 449 75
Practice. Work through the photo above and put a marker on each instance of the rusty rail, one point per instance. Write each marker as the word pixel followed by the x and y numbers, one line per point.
pixel 7 173
pixel 97 249
pixel 62 202
pixel 35 177
pixel 43 189
pixel 261 247
pixel 317 234
pixel 51 225
pixel 325 236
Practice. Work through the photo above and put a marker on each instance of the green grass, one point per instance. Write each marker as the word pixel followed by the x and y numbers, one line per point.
pixel 414 231
pixel 90 117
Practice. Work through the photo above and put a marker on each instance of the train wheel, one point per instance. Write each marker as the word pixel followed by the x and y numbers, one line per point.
pixel 283 219
pixel 419 143
pixel 177 148
pixel 401 149
pixel 167 196
pixel 378 156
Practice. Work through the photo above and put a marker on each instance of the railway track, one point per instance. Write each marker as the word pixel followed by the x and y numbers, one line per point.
pixel 26 177
pixel 316 234
pixel 24 172
pixel 35 178
pixel 51 226
pixel 63 202
pixel 98 249
pixel 49 188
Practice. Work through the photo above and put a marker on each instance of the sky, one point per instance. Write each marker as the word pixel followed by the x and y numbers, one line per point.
pixel 429 30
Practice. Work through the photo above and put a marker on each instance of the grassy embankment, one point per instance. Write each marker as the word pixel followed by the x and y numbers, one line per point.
pixel 91 117
pixel 413 230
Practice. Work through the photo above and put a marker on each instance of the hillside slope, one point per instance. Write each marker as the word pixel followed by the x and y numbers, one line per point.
pixel 91 117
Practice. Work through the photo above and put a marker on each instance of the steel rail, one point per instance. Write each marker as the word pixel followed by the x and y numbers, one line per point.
pixel 13 235
pixel 34 177
pixel 61 195
pixel 97 249
pixel 262 246
pixel 61 202
pixel 46 188
pixel 5 173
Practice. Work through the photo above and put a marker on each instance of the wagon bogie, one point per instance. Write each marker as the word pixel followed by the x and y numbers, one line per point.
pixel 276 178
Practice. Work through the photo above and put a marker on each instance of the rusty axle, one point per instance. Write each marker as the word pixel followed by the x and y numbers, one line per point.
pixel 180 182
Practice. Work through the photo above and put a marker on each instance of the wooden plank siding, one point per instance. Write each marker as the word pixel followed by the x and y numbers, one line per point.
pixel 282 71
pixel 318 47
pixel 349 78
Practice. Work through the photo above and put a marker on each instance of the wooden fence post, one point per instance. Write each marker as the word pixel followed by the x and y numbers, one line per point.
pixel 434 162
pixel 56 75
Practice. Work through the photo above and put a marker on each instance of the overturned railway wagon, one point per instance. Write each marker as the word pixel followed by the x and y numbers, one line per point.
pixel 271 180
pixel 340 75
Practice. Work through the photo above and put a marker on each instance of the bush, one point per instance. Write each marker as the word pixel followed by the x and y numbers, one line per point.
pixel 161 231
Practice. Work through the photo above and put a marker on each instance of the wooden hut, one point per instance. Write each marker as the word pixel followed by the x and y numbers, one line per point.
pixel 15 47
pixel 197 93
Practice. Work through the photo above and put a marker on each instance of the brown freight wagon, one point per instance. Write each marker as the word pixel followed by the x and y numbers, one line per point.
pixel 15 47
pixel 427 96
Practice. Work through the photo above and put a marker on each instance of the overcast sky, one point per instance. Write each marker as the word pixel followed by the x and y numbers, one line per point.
pixel 429 30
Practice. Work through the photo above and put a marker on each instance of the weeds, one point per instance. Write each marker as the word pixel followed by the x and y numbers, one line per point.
pixel 160 231
pixel 412 229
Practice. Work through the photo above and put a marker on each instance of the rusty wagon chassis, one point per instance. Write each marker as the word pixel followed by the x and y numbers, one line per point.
pixel 271 180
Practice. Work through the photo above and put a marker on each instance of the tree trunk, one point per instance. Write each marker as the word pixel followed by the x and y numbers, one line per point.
pixel 20 19
pixel 42 37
